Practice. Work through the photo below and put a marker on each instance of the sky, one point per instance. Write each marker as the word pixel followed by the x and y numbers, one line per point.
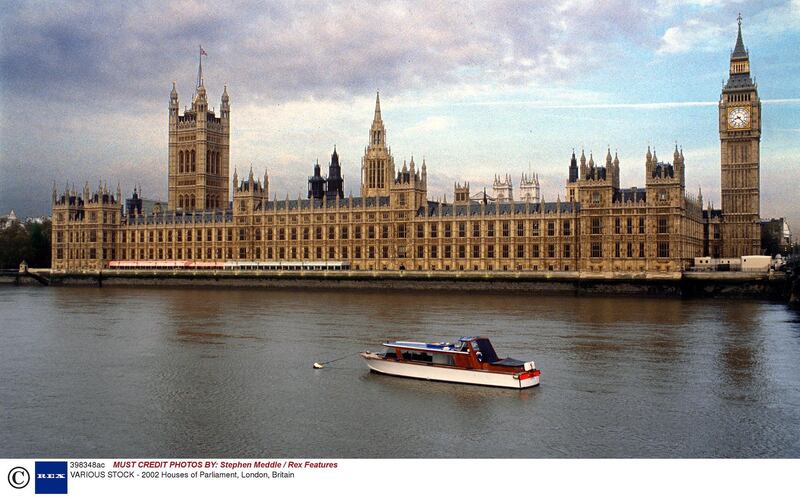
pixel 475 88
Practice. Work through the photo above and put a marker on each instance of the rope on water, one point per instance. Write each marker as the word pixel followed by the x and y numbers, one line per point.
pixel 322 365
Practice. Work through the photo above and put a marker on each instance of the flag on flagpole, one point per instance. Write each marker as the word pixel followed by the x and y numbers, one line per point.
pixel 203 52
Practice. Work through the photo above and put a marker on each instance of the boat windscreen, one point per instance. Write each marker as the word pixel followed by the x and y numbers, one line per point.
pixel 487 350
pixel 460 346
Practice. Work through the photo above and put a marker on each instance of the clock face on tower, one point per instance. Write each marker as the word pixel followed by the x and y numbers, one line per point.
pixel 738 117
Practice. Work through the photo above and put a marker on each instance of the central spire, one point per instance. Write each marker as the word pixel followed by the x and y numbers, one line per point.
pixel 377 164
pixel 377 131
pixel 377 118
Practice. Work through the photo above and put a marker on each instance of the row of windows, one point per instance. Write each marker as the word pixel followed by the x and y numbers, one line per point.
pixel 628 250
pixel 376 173
pixel 74 216
pixel 628 226
pixel 596 225
pixel 89 253
pixel 187 162
pixel 187 201
pixel 306 233
pixel 372 252
pixel 741 97
pixel 82 236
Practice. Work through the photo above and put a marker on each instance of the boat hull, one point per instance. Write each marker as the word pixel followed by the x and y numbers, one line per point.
pixel 447 374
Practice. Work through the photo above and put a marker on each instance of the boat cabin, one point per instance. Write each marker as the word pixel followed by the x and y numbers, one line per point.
pixel 467 352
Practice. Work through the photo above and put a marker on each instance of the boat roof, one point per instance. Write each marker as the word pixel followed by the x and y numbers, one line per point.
pixel 438 347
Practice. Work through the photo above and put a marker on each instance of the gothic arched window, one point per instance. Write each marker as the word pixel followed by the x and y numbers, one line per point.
pixel 192 161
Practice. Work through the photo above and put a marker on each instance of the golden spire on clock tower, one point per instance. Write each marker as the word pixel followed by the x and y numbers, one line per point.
pixel 740 59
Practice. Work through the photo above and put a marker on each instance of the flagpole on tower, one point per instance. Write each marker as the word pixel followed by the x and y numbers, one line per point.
pixel 200 67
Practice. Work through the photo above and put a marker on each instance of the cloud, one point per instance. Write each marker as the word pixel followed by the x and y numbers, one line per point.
pixel 431 123
pixel 277 51
pixel 693 34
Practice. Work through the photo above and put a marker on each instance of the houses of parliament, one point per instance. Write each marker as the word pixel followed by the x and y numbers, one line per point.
pixel 393 225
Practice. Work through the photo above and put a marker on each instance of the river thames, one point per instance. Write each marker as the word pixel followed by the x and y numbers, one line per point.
pixel 178 372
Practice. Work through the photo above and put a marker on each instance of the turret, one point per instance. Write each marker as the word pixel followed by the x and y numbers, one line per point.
pixel 173 104
pixel 250 195
pixel 573 168
pixel 335 183
pixel 677 162
pixel 584 169
pixel 225 107
pixel 461 193
pixel 503 189
pixel 316 184
pixel 529 188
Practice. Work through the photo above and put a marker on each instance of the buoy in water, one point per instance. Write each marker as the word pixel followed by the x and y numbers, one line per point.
pixel 317 365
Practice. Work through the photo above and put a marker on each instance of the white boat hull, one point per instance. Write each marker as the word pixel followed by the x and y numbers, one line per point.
pixel 447 374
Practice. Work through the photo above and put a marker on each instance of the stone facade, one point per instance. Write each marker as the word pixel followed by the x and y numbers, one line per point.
pixel 86 228
pixel 601 227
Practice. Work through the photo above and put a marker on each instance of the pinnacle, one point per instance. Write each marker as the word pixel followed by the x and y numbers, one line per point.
pixel 377 108
pixel 739 50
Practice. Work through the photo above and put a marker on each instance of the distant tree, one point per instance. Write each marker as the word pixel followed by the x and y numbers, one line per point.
pixel 40 242
pixel 29 242
pixel 14 245
pixel 770 245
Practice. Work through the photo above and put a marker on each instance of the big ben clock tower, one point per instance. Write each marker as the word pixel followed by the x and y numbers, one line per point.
pixel 740 136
